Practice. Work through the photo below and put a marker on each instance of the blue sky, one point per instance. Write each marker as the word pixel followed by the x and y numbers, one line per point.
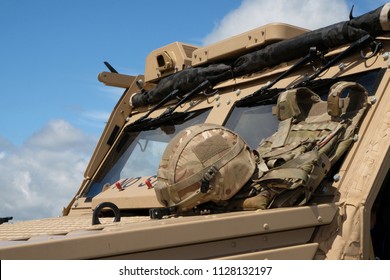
pixel 52 51
pixel 53 108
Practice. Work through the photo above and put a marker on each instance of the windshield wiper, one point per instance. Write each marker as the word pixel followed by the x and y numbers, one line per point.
pixel 153 123
pixel 268 95
pixel 169 116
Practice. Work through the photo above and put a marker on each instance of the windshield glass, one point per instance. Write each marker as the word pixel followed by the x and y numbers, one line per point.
pixel 256 123
pixel 138 153
pixel 253 123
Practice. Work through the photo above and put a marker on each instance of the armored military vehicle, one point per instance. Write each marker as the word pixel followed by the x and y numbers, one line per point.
pixel 318 184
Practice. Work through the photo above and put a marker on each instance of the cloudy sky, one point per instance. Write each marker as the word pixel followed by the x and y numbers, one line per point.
pixel 52 107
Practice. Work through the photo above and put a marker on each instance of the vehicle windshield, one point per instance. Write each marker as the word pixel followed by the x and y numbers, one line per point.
pixel 254 124
pixel 139 153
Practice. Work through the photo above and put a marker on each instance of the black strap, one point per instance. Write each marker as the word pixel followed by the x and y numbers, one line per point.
pixel 158 213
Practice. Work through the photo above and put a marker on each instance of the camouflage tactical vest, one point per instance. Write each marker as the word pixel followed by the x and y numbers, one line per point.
pixel 312 135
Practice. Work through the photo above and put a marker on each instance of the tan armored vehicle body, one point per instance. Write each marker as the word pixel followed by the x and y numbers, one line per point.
pixel 110 217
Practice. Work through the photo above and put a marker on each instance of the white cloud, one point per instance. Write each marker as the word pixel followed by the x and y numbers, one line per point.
pixel 40 177
pixel 100 116
pixel 56 134
pixel 5 147
pixel 310 14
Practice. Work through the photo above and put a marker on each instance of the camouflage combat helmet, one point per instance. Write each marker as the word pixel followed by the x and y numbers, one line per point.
pixel 203 163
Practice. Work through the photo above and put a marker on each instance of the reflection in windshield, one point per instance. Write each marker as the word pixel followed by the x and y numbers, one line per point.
pixel 139 153
pixel 253 123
